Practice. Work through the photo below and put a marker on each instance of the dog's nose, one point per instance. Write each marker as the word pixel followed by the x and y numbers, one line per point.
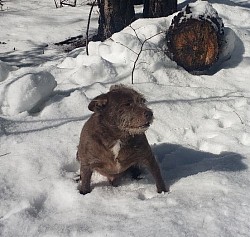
pixel 148 114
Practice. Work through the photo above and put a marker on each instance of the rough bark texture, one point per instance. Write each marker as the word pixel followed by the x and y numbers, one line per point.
pixel 159 8
pixel 194 43
pixel 114 16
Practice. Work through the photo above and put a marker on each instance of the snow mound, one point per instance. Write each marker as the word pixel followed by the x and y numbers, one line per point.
pixel 75 104
pixel 141 45
pixel 84 69
pixel 25 93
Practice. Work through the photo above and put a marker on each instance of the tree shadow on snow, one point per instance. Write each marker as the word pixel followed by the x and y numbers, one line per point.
pixel 232 51
pixel 18 127
pixel 177 162
pixel 36 56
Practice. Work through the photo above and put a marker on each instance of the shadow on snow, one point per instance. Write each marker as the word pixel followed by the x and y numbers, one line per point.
pixel 177 162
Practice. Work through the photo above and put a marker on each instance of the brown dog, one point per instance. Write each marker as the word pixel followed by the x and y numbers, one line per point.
pixel 113 139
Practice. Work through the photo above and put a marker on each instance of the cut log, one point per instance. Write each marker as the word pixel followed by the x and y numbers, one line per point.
pixel 195 37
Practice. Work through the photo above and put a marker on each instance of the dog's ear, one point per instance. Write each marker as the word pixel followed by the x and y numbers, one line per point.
pixel 98 103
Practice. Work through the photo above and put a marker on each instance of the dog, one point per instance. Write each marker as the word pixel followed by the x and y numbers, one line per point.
pixel 113 138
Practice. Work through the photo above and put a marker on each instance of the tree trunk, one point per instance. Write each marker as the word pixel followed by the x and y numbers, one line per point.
pixel 159 8
pixel 114 16
pixel 195 37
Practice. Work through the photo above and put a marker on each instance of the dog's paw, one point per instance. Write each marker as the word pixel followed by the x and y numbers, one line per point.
pixel 163 190
pixel 84 192
pixel 114 183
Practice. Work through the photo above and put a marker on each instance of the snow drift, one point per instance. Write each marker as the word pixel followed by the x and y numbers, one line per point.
pixel 24 93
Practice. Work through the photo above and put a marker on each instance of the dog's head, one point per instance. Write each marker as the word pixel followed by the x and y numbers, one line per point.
pixel 123 108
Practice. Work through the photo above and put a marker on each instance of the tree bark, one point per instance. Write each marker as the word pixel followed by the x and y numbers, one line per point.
pixel 159 8
pixel 114 16
pixel 117 14
pixel 193 41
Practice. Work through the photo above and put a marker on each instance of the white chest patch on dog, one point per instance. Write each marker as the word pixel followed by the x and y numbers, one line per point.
pixel 116 148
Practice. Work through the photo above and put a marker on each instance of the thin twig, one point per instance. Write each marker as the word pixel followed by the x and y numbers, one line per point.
pixel 125 46
pixel 137 58
pixel 135 33
pixel 5 154
pixel 239 117
pixel 161 32
pixel 143 63
pixel 138 55
pixel 87 32
pixel 56 3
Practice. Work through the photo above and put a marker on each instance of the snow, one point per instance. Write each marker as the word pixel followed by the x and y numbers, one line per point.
pixel 24 93
pixel 200 135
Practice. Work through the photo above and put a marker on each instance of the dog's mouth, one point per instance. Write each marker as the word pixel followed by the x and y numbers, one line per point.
pixel 138 129
pixel 145 125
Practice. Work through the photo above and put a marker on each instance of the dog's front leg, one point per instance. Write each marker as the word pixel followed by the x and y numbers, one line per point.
pixel 86 174
pixel 154 169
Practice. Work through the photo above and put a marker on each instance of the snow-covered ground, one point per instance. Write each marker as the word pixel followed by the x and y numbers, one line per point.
pixel 200 135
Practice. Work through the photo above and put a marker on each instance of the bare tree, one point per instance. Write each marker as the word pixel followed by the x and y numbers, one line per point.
pixel 114 16
pixel 159 8
pixel 117 14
